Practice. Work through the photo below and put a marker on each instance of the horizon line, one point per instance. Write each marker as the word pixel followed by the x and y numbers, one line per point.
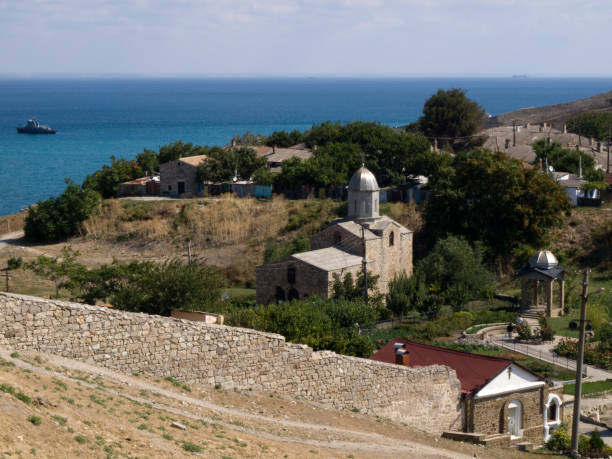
pixel 116 75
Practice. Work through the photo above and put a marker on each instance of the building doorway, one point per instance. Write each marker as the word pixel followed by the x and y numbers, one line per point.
pixel 181 187
pixel 515 415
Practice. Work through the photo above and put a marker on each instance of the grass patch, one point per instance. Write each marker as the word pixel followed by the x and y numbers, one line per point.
pixel 177 383
pixel 35 420
pixel 589 387
pixel 560 325
pixel 80 439
pixel 192 447
pixel 60 420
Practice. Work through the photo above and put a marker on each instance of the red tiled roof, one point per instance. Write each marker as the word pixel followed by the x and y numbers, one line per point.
pixel 474 371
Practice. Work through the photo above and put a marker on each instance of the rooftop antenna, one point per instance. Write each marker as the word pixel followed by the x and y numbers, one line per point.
pixel 362 159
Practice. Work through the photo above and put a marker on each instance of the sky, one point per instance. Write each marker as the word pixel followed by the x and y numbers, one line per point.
pixel 306 37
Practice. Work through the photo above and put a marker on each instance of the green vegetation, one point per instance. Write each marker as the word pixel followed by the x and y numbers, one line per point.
pixel 320 323
pixel 36 420
pixel 192 447
pixel 594 125
pixel 57 219
pixel 223 163
pixel 488 197
pixel 452 117
pixel 563 159
pixel 590 387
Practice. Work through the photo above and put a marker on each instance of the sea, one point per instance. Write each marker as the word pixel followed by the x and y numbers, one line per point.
pixel 97 118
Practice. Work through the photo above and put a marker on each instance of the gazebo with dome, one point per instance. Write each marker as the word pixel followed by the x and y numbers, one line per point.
pixel 542 286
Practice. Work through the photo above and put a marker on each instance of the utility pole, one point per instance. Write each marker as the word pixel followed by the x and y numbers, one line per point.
pixel 579 361
pixel 364 267
pixel 608 148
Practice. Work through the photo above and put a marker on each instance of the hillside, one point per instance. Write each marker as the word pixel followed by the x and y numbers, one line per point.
pixel 95 412
pixel 228 232
pixel 557 114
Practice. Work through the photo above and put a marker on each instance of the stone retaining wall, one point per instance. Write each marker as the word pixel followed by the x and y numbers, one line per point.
pixel 200 353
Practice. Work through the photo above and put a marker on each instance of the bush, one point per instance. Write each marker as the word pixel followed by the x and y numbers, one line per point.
pixel 35 420
pixel 560 439
pixel 59 218
pixel 524 332
pixel 15 263
pixel 546 332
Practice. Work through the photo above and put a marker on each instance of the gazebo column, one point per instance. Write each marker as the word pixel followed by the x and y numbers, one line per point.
pixel 536 287
pixel 549 297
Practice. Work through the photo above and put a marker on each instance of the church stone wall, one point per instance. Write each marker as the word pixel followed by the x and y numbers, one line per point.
pixel 309 280
pixel 200 353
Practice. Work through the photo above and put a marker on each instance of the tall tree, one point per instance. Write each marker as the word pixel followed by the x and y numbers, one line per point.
pixel 452 114
pixel 488 197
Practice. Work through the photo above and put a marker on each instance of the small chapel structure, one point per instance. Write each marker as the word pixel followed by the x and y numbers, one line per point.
pixel 542 286
pixel 365 237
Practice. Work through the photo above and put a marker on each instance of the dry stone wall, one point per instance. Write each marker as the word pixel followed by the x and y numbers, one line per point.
pixel 200 353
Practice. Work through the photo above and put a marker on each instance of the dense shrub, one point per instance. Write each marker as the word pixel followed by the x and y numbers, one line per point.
pixel 59 218
pixel 319 323
pixel 560 439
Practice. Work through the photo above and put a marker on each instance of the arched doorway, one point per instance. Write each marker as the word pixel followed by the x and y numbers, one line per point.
pixel 515 419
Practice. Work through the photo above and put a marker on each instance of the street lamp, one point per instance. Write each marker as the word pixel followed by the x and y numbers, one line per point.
pixel 579 360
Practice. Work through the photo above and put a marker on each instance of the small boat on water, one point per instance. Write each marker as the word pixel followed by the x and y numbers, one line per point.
pixel 32 127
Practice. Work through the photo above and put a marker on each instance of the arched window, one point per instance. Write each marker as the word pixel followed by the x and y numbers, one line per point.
pixel 391 238
pixel 280 294
pixel 552 409
pixel 291 274
pixel 294 294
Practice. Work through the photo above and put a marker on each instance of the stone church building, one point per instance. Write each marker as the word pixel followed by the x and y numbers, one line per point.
pixel 384 245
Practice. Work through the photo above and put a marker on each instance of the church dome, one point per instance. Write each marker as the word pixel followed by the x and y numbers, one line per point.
pixel 543 259
pixel 363 180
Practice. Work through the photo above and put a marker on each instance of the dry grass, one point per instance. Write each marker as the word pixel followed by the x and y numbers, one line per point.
pixel 206 222
pixel 12 223
pixel 86 411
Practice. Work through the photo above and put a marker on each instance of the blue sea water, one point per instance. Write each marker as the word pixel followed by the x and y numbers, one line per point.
pixel 97 118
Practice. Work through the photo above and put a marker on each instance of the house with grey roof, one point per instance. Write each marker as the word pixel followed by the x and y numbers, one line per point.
pixel 345 246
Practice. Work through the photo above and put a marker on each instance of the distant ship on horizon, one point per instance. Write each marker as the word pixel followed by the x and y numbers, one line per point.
pixel 32 127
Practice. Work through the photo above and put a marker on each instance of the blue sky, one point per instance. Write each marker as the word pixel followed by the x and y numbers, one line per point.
pixel 306 37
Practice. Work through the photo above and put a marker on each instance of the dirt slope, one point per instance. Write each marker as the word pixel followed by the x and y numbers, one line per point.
pixel 87 411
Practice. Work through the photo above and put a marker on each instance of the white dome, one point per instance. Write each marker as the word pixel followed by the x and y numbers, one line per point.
pixel 543 259
pixel 363 180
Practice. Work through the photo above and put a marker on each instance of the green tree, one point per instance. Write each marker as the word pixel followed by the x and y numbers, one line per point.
pixel 594 125
pixel 176 150
pixel 59 218
pixel 148 161
pixel 106 180
pixel 152 288
pixel 562 159
pixel 223 163
pixel 455 270
pixel 284 139
pixel 453 115
pixel 57 269
pixel 488 197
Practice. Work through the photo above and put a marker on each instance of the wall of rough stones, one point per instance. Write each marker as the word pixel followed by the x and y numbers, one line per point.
pixel 200 353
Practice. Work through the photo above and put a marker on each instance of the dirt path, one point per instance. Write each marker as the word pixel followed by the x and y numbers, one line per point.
pixel 305 433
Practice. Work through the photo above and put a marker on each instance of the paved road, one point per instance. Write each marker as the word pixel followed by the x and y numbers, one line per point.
pixel 545 352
